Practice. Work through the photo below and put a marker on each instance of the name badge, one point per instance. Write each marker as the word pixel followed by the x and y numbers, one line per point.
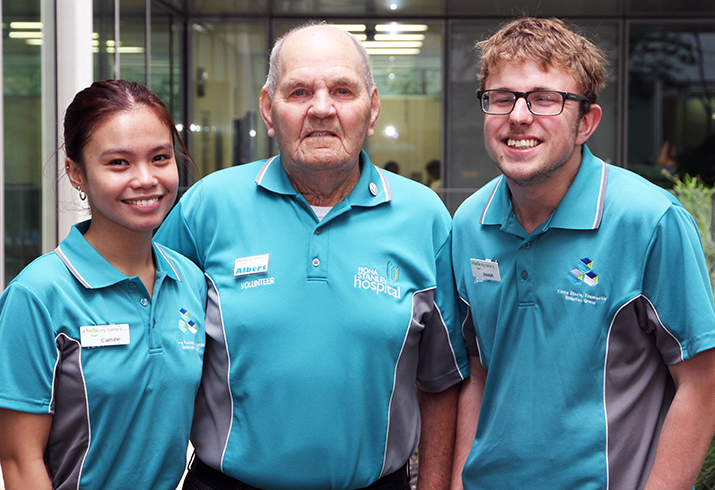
pixel 104 335
pixel 485 270
pixel 247 266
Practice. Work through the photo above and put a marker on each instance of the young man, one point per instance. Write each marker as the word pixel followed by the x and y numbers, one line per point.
pixel 590 317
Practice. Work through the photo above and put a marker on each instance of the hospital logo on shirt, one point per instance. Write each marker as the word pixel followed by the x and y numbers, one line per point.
pixel 186 324
pixel 371 279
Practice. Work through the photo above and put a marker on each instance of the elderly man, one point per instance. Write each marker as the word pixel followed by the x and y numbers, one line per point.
pixel 332 295
pixel 591 320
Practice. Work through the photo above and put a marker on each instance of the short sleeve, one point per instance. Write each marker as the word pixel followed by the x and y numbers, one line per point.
pixel 28 351
pixel 176 234
pixel 443 358
pixel 677 283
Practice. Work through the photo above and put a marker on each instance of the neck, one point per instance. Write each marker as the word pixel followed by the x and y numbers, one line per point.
pixel 129 252
pixel 325 187
pixel 534 204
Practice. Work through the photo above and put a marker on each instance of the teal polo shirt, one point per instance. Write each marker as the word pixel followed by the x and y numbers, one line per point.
pixel 118 370
pixel 318 330
pixel 576 324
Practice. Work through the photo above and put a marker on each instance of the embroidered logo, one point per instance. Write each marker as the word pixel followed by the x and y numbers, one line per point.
pixel 584 273
pixel 186 324
pixel 369 278
pixel 392 271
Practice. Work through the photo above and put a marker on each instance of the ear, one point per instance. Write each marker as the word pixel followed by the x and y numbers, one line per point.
pixel 74 173
pixel 265 104
pixel 374 111
pixel 589 123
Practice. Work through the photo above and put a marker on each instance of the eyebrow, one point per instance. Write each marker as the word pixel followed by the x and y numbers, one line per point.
pixel 293 83
pixel 121 151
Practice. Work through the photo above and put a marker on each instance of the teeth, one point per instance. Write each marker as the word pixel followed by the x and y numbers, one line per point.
pixel 142 202
pixel 321 133
pixel 521 143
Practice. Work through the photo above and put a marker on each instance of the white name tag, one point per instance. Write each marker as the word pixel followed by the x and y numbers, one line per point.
pixel 485 270
pixel 246 266
pixel 104 335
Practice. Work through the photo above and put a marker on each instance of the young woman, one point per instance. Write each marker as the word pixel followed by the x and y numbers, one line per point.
pixel 102 340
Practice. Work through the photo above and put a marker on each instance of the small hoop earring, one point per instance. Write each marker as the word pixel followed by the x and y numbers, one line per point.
pixel 82 195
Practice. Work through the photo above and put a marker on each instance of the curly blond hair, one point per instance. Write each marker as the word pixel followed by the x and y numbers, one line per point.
pixel 550 43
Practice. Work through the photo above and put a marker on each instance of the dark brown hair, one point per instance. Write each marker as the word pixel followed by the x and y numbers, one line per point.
pixel 93 105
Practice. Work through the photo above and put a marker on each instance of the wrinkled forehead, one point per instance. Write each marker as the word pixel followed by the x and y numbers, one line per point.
pixel 319 49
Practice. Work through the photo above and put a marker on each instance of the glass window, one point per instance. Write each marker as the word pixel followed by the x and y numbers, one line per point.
pixel 167 39
pixel 23 124
pixel 132 41
pixel 671 100
pixel 469 165
pixel 366 8
pixel 229 69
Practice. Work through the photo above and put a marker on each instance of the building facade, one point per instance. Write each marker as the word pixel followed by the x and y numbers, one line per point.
pixel 207 60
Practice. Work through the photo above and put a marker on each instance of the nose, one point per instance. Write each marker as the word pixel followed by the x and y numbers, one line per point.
pixel 144 175
pixel 322 105
pixel 521 113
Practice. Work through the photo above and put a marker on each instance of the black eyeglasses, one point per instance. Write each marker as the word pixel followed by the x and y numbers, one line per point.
pixel 539 102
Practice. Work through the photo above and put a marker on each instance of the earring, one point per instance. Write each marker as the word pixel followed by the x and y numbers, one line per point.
pixel 82 195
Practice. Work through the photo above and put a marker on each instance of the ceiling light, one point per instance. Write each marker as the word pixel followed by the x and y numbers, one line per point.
pixel 399 37
pixel 395 27
pixel 25 25
pixel 351 27
pixel 25 35
pixel 397 51
pixel 392 44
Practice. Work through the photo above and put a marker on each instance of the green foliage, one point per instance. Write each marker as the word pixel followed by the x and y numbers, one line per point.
pixel 698 200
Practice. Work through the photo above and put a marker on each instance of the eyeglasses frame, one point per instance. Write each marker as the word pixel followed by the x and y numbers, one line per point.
pixel 525 95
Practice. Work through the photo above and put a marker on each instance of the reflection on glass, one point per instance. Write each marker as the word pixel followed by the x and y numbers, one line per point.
pixel 672 101
pixel 23 123
pixel 230 69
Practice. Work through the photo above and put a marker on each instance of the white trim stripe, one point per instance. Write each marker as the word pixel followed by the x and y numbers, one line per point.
pixel 171 264
pixel 72 269
pixel 385 184
pixel 489 202
pixel 601 197
pixel 264 169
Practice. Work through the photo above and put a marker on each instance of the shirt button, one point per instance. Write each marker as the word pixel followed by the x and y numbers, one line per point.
pixel 317 232
pixel 373 188
pixel 144 302
pixel 316 262
pixel 527 245
pixel 131 285
pixel 524 275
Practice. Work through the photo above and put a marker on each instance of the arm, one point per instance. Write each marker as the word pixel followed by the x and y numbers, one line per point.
pixel 23 437
pixel 470 402
pixel 438 412
pixel 688 427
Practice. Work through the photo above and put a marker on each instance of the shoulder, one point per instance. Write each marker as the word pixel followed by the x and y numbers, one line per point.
pixel 186 268
pixel 36 273
pixel 632 194
pixel 475 204
pixel 43 278
pixel 413 198
pixel 224 181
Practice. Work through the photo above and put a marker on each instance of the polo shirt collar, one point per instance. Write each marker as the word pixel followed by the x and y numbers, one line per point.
pixel 580 209
pixel 94 271
pixel 371 189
